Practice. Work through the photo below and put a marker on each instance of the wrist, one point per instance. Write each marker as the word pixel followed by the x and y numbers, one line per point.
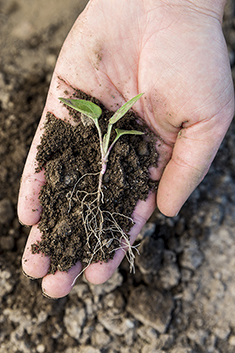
pixel 213 8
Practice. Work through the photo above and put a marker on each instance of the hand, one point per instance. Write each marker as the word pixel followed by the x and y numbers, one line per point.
pixel 176 55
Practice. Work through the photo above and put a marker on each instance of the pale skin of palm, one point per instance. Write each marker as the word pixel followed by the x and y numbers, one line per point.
pixel 174 52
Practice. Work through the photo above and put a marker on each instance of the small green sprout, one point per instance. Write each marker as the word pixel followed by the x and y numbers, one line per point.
pixel 92 111
pixel 93 216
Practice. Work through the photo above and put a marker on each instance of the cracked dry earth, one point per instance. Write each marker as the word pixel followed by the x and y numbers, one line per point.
pixel 181 298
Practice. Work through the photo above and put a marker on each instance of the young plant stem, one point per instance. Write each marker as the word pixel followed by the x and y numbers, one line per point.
pixel 102 172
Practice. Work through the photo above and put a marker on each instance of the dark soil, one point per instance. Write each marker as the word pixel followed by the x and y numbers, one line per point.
pixel 188 258
pixel 72 161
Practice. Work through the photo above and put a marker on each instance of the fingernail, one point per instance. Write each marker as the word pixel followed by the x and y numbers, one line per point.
pixel 26 275
pixel 46 295
pixel 24 225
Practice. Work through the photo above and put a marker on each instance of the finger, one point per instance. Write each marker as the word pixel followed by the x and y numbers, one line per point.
pixel 34 265
pixel 61 283
pixel 100 272
pixel 29 208
pixel 37 266
pixel 193 153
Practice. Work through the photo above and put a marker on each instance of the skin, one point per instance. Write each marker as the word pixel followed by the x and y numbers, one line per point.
pixel 172 51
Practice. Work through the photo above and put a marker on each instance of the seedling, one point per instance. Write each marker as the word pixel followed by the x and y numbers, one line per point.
pixel 92 111
pixel 94 217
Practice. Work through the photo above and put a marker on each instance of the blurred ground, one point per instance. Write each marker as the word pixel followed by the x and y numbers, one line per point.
pixel 182 297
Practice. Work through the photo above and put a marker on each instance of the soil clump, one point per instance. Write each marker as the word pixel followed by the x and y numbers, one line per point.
pixel 71 221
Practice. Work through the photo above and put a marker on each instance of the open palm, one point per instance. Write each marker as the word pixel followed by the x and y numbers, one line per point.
pixel 176 56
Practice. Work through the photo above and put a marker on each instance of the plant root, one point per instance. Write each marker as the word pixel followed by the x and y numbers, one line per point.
pixel 100 226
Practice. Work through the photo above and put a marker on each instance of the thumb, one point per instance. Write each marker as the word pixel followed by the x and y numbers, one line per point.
pixel 193 153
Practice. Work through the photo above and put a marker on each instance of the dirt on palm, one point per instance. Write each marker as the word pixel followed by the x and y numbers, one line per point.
pixel 71 219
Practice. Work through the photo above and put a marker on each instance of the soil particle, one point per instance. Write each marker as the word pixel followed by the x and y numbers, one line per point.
pixel 159 310
pixel 71 158
pixel 151 251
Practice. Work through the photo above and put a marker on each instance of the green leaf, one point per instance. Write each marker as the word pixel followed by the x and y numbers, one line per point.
pixel 121 132
pixel 87 108
pixel 124 109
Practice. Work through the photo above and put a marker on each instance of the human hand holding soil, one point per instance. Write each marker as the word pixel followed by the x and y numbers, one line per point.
pixel 174 52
